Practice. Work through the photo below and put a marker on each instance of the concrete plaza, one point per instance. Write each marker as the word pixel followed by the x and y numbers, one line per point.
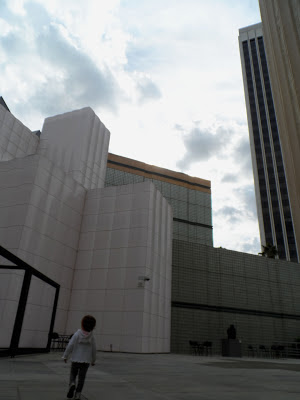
pixel 122 376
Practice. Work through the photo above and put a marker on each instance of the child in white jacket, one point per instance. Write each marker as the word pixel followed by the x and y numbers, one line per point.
pixel 82 346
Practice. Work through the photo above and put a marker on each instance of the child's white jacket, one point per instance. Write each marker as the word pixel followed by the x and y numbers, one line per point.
pixel 82 347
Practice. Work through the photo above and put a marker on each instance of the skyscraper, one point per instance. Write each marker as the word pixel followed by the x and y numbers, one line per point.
pixel 272 196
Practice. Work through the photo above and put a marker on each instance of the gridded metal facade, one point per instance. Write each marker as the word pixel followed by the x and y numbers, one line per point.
pixel 275 219
pixel 213 288
pixel 191 208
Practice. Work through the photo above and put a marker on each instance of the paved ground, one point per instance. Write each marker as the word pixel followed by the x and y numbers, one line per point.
pixel 153 377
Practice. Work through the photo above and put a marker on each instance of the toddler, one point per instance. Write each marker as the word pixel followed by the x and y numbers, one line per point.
pixel 82 346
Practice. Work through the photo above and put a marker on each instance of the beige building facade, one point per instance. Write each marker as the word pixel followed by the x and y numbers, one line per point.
pixel 281 30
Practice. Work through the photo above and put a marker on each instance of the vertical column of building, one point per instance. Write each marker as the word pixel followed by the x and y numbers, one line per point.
pixel 285 208
pixel 280 21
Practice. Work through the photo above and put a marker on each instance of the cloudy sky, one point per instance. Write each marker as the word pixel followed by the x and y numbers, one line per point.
pixel 164 76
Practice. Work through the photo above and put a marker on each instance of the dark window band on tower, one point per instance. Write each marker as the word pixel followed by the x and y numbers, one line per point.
pixel 268 152
pixel 257 144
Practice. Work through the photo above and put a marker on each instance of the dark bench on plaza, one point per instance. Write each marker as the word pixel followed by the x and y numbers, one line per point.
pixel 207 348
pixel 59 342
pixel 251 350
pixel 264 351
pixel 200 348
pixel 277 351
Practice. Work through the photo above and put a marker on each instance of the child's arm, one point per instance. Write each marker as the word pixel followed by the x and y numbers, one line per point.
pixel 93 351
pixel 69 348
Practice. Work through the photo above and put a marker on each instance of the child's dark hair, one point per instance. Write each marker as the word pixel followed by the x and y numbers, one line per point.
pixel 88 323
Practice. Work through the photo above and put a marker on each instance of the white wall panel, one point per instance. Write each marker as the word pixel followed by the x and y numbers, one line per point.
pixel 38 314
pixel 16 140
pixel 123 240
pixel 45 209
pixel 77 142
pixel 10 288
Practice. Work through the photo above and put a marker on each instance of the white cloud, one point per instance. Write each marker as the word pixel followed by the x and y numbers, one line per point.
pixel 202 144
pixel 16 6
pixel 148 89
pixel 229 178
pixel 252 246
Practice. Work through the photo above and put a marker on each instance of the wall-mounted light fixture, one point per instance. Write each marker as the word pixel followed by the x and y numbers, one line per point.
pixel 144 278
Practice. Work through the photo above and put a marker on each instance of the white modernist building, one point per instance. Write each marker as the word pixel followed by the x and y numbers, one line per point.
pixel 109 249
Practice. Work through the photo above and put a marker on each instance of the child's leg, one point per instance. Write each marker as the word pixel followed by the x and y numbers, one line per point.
pixel 83 367
pixel 73 372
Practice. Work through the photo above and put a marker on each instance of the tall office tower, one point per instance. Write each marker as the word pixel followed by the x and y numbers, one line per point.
pixel 281 29
pixel 272 196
